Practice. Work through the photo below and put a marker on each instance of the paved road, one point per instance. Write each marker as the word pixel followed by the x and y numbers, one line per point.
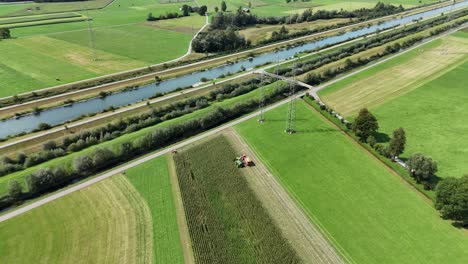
pixel 193 139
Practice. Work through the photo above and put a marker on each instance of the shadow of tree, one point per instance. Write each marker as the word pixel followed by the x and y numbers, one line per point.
pixel 381 137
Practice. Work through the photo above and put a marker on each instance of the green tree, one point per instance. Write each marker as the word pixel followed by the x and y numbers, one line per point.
pixel 422 168
pixel 365 124
pixel 5 33
pixel 223 6
pixel 15 189
pixel 202 10
pixel 397 142
pixel 452 199
pixel 250 4
pixel 186 10
pixel 216 9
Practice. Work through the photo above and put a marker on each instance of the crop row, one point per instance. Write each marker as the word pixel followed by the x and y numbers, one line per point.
pixel 227 223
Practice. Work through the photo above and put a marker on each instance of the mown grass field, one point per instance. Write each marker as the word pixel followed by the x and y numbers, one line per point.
pixel 367 212
pixel 280 7
pixel 124 219
pixel 49 55
pixel 108 222
pixel 426 100
pixel 66 161
pixel 45 8
pixel 151 179
pixel 227 223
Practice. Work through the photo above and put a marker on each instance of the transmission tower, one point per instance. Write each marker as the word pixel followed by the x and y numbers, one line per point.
pixel 92 43
pixel 291 117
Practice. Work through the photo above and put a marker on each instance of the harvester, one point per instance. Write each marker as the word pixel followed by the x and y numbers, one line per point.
pixel 243 161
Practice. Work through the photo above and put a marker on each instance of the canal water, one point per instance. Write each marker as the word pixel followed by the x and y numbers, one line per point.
pixel 60 115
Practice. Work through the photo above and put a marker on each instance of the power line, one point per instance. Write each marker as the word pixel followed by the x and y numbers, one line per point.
pixel 92 43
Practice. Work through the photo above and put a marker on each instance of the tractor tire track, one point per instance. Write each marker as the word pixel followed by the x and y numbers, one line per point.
pixel 296 227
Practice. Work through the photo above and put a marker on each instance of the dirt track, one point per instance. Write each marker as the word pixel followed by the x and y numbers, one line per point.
pixel 308 241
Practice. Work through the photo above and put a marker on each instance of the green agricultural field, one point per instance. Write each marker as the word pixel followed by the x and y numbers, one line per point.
pixel 281 8
pixel 49 55
pixel 424 100
pixel 45 8
pixel 109 222
pixel 66 161
pixel 227 223
pixel 151 179
pixel 124 219
pixel 370 214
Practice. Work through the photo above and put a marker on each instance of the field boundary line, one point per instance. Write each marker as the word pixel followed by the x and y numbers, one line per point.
pixel 184 236
pixel 283 196
pixel 337 246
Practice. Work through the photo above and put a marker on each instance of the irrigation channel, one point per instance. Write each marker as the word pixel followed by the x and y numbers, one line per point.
pixel 59 115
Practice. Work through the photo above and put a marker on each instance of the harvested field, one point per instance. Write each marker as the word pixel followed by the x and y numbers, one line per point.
pixel 396 77
pixel 304 236
pixel 227 222
pixel 108 222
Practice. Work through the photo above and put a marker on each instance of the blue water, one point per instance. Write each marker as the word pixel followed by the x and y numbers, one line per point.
pixel 60 115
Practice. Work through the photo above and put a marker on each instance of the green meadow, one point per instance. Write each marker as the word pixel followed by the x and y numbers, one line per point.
pixel 48 55
pixel 427 100
pixel 368 213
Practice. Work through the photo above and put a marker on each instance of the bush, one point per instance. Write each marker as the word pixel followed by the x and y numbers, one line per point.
pixel 49 145
pixel 83 165
pixel 103 157
pixel 15 190
pixel 41 181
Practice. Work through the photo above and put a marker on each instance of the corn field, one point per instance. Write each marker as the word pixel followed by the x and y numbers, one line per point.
pixel 227 223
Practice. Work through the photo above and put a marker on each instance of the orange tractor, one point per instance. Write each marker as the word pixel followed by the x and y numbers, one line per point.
pixel 243 161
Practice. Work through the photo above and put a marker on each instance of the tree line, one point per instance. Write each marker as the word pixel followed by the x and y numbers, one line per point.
pixel 451 194
pixel 48 179
pixel 84 139
pixel 241 19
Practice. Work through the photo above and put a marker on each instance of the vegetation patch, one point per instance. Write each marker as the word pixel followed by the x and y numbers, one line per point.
pixel 227 223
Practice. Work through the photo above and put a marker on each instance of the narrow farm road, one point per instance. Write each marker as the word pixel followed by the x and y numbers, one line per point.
pixel 295 225
pixel 191 140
